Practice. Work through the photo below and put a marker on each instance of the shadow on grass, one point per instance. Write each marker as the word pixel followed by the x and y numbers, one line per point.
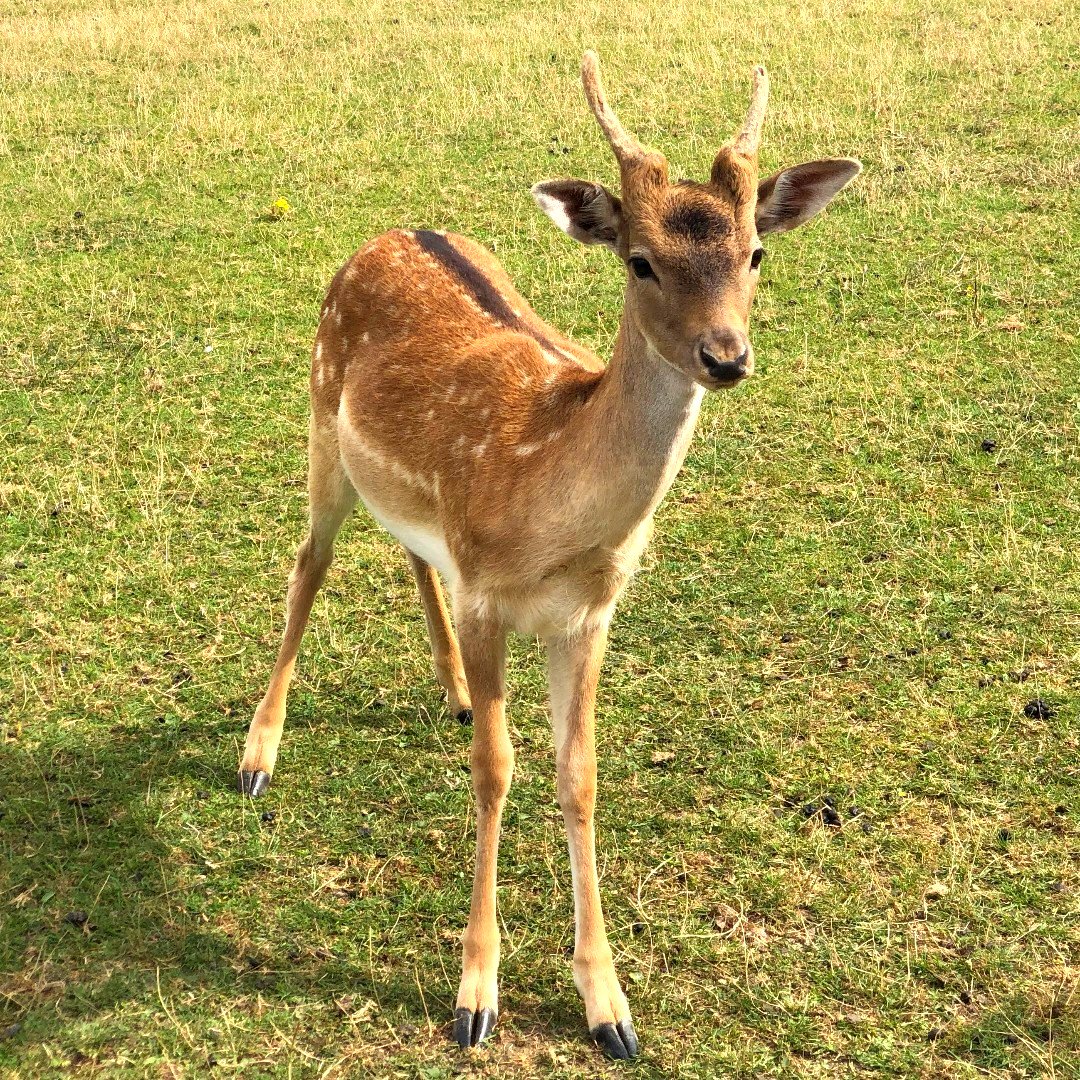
pixel 133 882
pixel 1041 1027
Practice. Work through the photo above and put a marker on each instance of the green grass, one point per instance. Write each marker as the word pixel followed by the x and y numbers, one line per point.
pixel 847 594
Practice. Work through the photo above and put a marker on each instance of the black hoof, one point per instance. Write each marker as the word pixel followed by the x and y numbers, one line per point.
pixel 618 1041
pixel 465 717
pixel 252 784
pixel 471 1029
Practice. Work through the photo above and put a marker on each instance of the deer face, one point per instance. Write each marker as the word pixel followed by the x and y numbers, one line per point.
pixel 693 259
pixel 692 251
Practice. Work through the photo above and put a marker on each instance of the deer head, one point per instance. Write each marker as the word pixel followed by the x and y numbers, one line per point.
pixel 692 251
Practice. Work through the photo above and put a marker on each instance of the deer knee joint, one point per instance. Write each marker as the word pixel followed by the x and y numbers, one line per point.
pixel 492 771
pixel 577 795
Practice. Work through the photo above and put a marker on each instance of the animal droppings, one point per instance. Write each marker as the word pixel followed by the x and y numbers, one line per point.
pixel 1037 709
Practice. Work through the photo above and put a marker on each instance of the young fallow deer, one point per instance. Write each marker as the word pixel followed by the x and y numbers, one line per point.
pixel 509 460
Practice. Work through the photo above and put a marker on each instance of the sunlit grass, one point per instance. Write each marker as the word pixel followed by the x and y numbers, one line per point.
pixel 865 572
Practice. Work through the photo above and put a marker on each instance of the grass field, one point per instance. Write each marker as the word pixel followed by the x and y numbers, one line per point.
pixel 868 568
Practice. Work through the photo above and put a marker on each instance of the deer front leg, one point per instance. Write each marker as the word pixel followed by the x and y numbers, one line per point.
pixel 573 670
pixel 483 646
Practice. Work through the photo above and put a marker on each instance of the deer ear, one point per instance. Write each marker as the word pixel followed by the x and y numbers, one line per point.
pixel 790 197
pixel 587 212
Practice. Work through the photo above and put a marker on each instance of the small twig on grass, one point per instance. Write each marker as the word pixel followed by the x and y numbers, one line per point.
pixel 181 1029
pixel 423 1001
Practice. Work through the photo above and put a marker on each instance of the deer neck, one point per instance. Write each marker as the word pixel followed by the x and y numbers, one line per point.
pixel 642 419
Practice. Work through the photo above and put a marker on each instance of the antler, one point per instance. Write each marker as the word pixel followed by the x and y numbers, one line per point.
pixel 627 149
pixel 735 167
pixel 746 142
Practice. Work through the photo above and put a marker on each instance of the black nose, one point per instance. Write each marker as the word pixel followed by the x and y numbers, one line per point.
pixel 724 370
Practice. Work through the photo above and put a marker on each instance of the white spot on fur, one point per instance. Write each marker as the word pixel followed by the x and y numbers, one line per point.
pixel 354 443
pixel 429 414
pixel 526 449
pixel 365 337
pixel 344 344
pixel 318 351
pixel 320 376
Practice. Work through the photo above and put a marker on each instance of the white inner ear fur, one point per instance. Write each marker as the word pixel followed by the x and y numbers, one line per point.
pixel 586 212
pixel 803 191
pixel 554 210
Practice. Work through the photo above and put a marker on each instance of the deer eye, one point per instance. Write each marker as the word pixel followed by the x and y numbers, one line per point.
pixel 755 259
pixel 642 268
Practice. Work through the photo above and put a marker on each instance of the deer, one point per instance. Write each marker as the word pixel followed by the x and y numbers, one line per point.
pixel 517 468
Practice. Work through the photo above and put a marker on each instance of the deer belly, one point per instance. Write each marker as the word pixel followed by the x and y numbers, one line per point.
pixel 421 539
pixel 397 496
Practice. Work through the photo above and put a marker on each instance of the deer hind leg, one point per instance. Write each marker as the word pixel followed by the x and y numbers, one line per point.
pixel 573 670
pixel 444 647
pixel 483 646
pixel 332 498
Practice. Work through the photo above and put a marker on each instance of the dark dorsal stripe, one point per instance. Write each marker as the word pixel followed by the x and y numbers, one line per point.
pixel 483 292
